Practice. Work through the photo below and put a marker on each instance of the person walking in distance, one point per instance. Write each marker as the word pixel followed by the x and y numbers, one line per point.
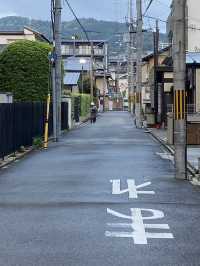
pixel 93 113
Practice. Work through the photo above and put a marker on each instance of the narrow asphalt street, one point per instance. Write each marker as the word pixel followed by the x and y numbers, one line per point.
pixel 65 206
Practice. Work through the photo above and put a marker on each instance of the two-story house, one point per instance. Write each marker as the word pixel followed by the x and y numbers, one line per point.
pixel 78 51
pixel 192 52
pixel 156 83
pixel 7 37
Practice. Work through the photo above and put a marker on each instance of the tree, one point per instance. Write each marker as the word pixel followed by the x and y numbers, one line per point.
pixel 86 85
pixel 24 70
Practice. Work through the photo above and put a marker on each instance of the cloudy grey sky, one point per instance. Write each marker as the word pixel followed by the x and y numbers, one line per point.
pixel 99 9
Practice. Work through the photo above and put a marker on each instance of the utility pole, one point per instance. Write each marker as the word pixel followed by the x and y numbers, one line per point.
pixel 105 73
pixel 58 60
pixel 54 96
pixel 130 56
pixel 156 49
pixel 138 105
pixel 117 75
pixel 82 80
pixel 104 76
pixel 92 72
pixel 179 59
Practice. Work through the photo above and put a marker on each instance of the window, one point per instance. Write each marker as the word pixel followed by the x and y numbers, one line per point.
pixel 67 50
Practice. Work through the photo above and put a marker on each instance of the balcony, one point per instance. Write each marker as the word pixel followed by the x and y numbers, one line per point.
pixel 81 51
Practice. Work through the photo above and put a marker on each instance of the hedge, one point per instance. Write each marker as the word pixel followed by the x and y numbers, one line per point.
pixel 85 101
pixel 24 70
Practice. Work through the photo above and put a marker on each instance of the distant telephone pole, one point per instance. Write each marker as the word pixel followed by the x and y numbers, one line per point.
pixel 179 59
pixel 58 61
pixel 138 105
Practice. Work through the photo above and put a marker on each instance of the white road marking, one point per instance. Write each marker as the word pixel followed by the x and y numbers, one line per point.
pixel 166 156
pixel 139 234
pixel 132 188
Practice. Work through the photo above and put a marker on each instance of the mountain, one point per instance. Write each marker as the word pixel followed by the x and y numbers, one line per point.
pixel 114 32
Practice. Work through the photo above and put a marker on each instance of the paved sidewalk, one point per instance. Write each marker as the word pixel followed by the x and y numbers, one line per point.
pixel 193 151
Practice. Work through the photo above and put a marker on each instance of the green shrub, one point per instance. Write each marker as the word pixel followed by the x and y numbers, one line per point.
pixel 37 142
pixel 87 86
pixel 24 70
pixel 85 101
pixel 85 104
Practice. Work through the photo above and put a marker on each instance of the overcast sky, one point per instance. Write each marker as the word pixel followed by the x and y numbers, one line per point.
pixel 100 9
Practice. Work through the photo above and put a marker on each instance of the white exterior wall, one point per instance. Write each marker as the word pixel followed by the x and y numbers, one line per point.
pixel 7 39
pixel 193 25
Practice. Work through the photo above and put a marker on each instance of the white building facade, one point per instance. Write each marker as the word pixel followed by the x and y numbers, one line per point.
pixel 192 25
pixel 193 8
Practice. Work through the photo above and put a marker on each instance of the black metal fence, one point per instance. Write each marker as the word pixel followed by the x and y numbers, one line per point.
pixel 20 123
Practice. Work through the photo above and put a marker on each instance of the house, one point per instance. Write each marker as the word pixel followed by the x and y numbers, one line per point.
pixel 123 85
pixel 118 68
pixel 77 58
pixel 71 83
pixel 82 49
pixel 7 37
pixel 159 83
pixel 152 77
pixel 157 89
pixel 192 25
pixel 74 64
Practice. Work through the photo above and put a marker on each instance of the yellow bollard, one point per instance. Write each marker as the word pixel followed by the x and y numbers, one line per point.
pixel 46 131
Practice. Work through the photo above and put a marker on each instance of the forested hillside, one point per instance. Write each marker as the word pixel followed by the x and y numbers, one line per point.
pixel 98 30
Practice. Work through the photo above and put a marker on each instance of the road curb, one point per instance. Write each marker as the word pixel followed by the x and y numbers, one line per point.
pixel 17 157
pixel 192 170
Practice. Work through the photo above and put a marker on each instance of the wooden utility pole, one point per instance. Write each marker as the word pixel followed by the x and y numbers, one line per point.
pixel 179 59
pixel 58 60
pixel 138 105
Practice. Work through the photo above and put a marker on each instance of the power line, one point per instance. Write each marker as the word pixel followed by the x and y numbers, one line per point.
pixel 53 17
pixel 78 21
pixel 155 18
pixel 147 8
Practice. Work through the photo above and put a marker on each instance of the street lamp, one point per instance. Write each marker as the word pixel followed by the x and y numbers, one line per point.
pixel 82 62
